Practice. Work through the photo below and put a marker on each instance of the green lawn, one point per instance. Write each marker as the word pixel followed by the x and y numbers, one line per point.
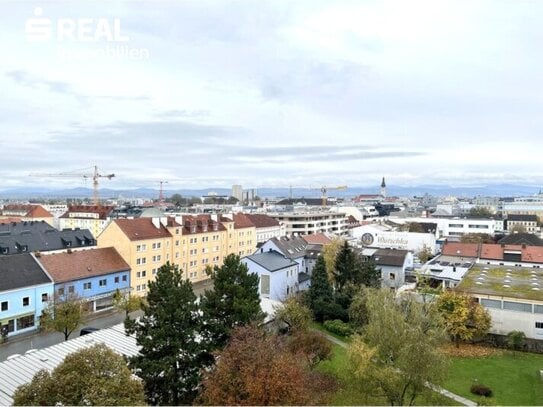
pixel 513 380
pixel 349 395
pixel 320 327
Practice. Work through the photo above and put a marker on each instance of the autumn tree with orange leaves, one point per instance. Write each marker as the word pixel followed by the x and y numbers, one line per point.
pixel 257 368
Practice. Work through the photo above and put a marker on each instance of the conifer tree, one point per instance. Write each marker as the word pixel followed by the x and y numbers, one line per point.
pixel 347 267
pixel 173 338
pixel 234 300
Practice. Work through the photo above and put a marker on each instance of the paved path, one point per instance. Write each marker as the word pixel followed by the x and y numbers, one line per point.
pixel 462 400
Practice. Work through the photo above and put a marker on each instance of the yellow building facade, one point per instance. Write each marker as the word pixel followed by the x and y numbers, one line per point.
pixel 191 242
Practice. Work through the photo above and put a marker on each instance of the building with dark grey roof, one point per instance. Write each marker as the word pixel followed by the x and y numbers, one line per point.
pixel 25 290
pixel 527 239
pixel 278 274
pixel 27 237
pixel 393 264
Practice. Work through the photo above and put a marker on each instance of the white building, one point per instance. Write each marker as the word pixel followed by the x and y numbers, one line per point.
pixel 447 227
pixel 381 237
pixel 278 274
pixel 309 222
pixel 237 192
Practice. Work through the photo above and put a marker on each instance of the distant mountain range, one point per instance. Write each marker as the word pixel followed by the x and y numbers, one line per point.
pixel 407 191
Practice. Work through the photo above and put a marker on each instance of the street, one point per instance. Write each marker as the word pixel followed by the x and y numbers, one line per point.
pixel 21 343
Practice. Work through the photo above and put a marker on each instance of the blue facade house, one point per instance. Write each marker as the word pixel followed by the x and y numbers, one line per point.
pixel 93 275
pixel 25 290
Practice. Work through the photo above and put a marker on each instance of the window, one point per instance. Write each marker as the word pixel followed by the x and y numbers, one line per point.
pixel 87 286
pixel 71 289
pixel 143 273
pixel 154 272
pixel 26 301
pixel 538 309
pixel 102 283
pixel 392 276
pixel 539 325
pixel 116 280
pixel 125 277
pixel 265 284
pixel 60 291
pixel 517 306
pixel 4 306
pixel 44 297
pixel 25 322
pixel 491 303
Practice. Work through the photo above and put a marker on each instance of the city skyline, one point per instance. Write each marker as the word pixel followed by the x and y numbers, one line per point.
pixel 309 93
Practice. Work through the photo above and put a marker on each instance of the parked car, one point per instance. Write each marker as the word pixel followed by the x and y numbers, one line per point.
pixel 88 330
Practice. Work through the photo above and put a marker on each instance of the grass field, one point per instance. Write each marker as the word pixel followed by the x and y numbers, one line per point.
pixel 349 394
pixel 514 380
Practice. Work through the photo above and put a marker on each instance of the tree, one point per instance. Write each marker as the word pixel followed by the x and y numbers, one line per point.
pixel 463 318
pixel 294 314
pixel 320 288
pixel 126 302
pixel 358 311
pixel 480 212
pixel 369 274
pixel 518 229
pixel 178 200
pixel 64 314
pixel 414 227
pixel 346 268
pixel 425 253
pixel 95 376
pixel 234 300
pixel 174 340
pixel 256 368
pixel 476 238
pixel 515 340
pixel 330 252
pixel 397 354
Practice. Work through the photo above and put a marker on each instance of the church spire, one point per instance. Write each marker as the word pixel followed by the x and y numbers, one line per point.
pixel 383 188
pixel 383 185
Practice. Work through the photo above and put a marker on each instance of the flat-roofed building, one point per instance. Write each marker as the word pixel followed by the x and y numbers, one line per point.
pixel 309 222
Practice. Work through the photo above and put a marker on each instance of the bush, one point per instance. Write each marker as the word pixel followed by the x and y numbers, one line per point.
pixel 338 327
pixel 481 390
pixel 324 310
pixel 310 344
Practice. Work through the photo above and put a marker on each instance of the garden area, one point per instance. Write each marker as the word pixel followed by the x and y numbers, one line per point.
pixel 513 377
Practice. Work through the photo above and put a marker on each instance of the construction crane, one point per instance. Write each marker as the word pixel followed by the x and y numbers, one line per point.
pixel 324 191
pixel 161 193
pixel 95 175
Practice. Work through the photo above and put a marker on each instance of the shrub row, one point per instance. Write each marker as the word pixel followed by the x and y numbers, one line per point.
pixel 338 327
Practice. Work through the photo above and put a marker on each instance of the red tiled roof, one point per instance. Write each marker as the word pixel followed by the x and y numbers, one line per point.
pixel 317 238
pixel 202 223
pixel 262 221
pixel 32 210
pixel 39 211
pixel 491 252
pixel 532 254
pixel 83 264
pixel 242 221
pixel 141 229
pixel 461 249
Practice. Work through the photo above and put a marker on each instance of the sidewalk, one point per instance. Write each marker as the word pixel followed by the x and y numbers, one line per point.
pixel 462 400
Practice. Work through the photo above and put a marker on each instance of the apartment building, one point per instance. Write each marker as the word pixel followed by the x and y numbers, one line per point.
pixel 192 242
pixel 144 243
pixel 266 227
pixel 93 218
pixel 27 213
pixel 308 223
pixel 526 223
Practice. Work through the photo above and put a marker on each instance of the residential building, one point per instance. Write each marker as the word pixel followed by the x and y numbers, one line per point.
pixel 266 226
pixel 27 212
pixel 527 207
pixel 25 290
pixel 26 237
pixel 278 274
pixel 310 222
pixel 198 242
pixel 393 264
pixel 93 275
pixel 193 242
pixel 144 243
pixel 527 239
pixel 93 218
pixel 451 227
pixel 524 223
pixel 382 236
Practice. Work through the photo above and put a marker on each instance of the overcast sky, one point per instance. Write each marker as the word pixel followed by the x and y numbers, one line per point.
pixel 275 93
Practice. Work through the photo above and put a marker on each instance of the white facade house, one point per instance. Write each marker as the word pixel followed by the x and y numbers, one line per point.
pixel 447 227
pixel 311 222
pixel 278 274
